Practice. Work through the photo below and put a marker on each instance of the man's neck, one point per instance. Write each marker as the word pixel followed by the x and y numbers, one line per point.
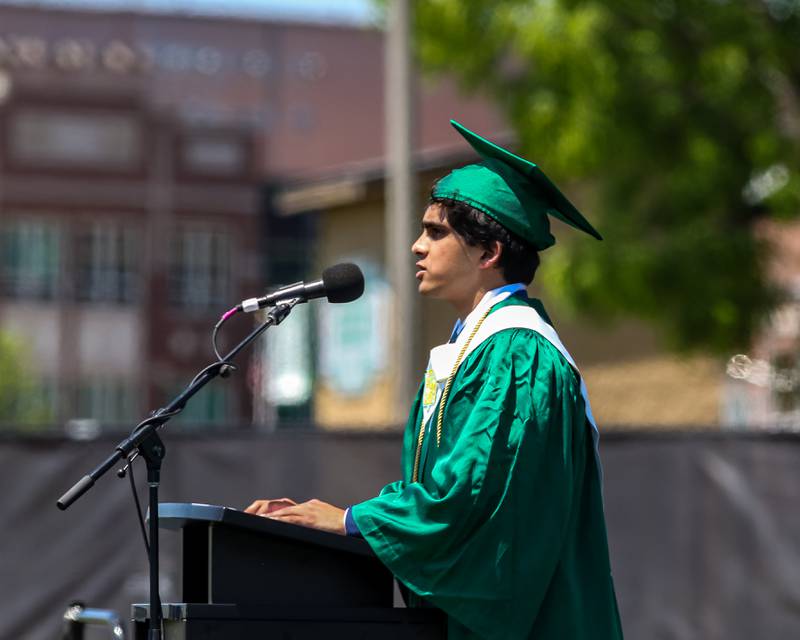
pixel 467 306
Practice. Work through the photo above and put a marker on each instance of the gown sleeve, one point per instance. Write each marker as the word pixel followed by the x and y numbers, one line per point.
pixel 392 487
pixel 479 535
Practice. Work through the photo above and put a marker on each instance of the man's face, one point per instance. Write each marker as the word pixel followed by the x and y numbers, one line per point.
pixel 447 267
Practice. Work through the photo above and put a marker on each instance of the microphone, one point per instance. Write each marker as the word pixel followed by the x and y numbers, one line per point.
pixel 340 283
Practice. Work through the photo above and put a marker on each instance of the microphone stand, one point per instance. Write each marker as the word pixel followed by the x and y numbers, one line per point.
pixel 148 444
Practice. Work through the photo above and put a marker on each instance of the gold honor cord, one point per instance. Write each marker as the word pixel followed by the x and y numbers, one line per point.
pixel 445 393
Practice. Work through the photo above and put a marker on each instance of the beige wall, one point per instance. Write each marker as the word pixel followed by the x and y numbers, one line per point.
pixel 655 391
pixel 634 381
pixel 345 232
pixel 358 229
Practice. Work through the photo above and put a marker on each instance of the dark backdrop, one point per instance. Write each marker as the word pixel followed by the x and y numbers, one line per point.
pixel 704 528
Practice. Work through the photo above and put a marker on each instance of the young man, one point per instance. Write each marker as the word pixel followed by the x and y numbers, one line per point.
pixel 498 520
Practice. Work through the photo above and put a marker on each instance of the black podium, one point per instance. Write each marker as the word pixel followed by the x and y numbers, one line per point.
pixel 244 576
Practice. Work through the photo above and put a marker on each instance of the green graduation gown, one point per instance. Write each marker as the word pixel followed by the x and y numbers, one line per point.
pixel 504 531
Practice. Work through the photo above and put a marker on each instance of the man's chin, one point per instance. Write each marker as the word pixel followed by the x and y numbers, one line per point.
pixel 423 288
pixel 427 290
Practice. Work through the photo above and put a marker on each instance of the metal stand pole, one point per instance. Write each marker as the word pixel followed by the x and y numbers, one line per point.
pixel 402 202
pixel 153 452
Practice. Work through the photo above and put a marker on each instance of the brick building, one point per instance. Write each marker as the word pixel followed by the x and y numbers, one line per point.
pixel 135 152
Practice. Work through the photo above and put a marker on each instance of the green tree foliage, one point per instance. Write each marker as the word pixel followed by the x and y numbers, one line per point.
pixel 21 404
pixel 673 123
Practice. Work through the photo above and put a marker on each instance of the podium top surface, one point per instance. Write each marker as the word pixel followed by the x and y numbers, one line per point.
pixel 176 515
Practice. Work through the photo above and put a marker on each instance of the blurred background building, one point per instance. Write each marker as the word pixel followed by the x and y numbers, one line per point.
pixel 140 161
pixel 157 168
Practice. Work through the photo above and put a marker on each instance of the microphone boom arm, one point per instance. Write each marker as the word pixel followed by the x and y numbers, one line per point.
pixel 275 316
pixel 145 439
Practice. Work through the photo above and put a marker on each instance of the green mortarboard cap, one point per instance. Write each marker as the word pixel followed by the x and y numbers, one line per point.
pixel 512 190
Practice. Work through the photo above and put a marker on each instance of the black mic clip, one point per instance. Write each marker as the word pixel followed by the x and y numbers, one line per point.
pixel 280 311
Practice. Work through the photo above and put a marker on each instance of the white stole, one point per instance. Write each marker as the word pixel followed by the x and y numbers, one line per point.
pixel 443 357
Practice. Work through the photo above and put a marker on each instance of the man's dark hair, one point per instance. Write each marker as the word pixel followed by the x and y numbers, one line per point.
pixel 518 259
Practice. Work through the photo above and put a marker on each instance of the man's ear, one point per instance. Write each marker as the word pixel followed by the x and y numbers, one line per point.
pixel 490 258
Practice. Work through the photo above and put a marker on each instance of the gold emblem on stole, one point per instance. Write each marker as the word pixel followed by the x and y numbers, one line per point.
pixel 429 394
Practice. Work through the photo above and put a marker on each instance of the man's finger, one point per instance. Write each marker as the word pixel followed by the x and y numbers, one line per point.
pixel 276 505
pixel 291 518
pixel 288 510
pixel 260 507
pixel 253 508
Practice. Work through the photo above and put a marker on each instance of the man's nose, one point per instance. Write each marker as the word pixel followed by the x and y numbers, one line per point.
pixel 418 248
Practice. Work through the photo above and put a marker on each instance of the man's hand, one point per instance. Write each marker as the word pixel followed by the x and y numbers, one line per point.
pixel 314 513
pixel 265 507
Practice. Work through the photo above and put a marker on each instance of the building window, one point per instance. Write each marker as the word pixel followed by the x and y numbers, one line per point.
pixel 29 259
pixel 106 264
pixel 108 401
pixel 200 270
pixel 214 155
pixel 98 140
pixel 208 407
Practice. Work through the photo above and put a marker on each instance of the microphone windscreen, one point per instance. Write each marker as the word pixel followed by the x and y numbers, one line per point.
pixel 343 282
